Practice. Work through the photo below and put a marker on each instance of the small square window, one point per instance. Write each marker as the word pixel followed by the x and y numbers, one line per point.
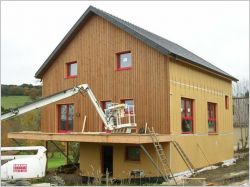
pixel 124 61
pixel 71 69
pixel 133 153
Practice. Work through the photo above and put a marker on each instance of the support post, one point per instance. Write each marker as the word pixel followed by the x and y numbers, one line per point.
pixel 67 153
pixel 153 162
pixel 47 151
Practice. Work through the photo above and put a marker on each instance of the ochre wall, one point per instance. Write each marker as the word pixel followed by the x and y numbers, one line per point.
pixel 94 47
pixel 189 82
pixel 90 157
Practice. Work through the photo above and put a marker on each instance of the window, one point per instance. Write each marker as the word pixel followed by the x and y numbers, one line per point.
pixel 124 61
pixel 105 105
pixel 130 104
pixel 132 153
pixel 65 117
pixel 226 102
pixel 71 69
pixel 211 109
pixel 186 115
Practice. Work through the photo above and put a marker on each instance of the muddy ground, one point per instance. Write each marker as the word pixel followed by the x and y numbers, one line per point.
pixel 237 174
pixel 233 175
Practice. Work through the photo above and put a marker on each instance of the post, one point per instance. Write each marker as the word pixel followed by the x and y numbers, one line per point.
pixel 67 152
pixel 84 122
pixel 146 126
pixel 47 150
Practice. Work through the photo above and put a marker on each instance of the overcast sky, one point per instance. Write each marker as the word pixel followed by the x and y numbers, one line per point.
pixel 215 31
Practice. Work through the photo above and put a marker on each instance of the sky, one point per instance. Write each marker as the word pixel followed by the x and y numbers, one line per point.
pixel 216 31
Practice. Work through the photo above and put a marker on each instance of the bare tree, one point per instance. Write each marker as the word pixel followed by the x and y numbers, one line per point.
pixel 241 109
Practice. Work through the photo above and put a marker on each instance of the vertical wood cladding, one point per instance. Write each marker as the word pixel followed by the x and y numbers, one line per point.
pixel 94 48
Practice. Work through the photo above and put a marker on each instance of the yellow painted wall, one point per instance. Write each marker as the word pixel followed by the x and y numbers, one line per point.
pixel 90 155
pixel 202 87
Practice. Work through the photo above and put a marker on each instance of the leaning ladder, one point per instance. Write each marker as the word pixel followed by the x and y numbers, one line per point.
pixel 161 154
pixel 184 157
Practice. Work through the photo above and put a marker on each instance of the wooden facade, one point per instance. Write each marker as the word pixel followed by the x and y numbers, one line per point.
pixel 94 48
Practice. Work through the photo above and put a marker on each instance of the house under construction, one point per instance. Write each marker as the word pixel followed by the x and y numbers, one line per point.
pixel 186 100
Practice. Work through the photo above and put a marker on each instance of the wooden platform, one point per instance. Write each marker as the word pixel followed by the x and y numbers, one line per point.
pixel 95 137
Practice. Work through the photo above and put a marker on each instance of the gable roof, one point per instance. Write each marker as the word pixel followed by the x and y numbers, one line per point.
pixel 160 44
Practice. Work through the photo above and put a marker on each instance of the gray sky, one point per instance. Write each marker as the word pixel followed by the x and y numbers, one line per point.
pixel 215 31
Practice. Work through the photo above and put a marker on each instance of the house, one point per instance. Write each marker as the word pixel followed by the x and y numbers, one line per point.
pixel 185 98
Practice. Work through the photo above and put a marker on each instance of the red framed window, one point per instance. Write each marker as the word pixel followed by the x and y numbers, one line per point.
pixel 65 117
pixel 187 116
pixel 124 60
pixel 105 105
pixel 132 153
pixel 211 110
pixel 71 70
pixel 226 102
pixel 130 104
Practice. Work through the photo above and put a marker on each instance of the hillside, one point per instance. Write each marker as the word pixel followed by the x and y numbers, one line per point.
pixel 14 101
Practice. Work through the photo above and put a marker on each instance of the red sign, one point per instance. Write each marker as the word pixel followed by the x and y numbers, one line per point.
pixel 20 168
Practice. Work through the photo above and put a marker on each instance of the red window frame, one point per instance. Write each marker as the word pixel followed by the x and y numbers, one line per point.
pixel 118 61
pixel 59 120
pixel 103 105
pixel 127 158
pixel 68 64
pixel 186 117
pixel 210 117
pixel 124 101
pixel 226 102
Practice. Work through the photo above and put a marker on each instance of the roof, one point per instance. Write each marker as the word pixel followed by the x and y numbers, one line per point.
pixel 162 45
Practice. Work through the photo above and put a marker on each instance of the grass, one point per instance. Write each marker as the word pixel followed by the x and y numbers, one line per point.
pixel 14 101
pixel 57 160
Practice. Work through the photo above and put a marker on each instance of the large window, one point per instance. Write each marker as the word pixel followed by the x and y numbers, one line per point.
pixel 71 69
pixel 211 109
pixel 132 153
pixel 187 115
pixel 66 117
pixel 130 104
pixel 124 61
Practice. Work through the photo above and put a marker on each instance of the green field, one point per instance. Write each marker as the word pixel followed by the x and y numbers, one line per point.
pixel 14 101
pixel 57 160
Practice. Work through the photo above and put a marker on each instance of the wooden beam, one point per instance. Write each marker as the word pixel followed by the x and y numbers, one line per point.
pixel 90 137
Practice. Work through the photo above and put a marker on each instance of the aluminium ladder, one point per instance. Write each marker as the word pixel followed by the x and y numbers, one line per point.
pixel 161 154
pixel 184 157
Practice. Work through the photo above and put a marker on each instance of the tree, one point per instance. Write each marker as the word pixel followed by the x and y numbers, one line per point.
pixel 241 109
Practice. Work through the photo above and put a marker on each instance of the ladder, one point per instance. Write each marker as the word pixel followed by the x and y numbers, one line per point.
pixel 161 154
pixel 184 157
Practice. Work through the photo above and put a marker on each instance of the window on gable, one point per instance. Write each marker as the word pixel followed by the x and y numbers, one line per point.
pixel 186 115
pixel 71 69
pixel 211 109
pixel 124 61
pixel 132 153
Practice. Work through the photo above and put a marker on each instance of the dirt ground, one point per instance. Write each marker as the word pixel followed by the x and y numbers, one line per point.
pixel 236 174
pixel 233 175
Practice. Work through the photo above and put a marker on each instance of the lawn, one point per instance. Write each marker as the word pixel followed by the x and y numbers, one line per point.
pixel 57 160
pixel 14 101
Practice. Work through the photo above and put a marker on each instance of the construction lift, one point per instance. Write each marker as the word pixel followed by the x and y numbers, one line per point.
pixel 33 166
